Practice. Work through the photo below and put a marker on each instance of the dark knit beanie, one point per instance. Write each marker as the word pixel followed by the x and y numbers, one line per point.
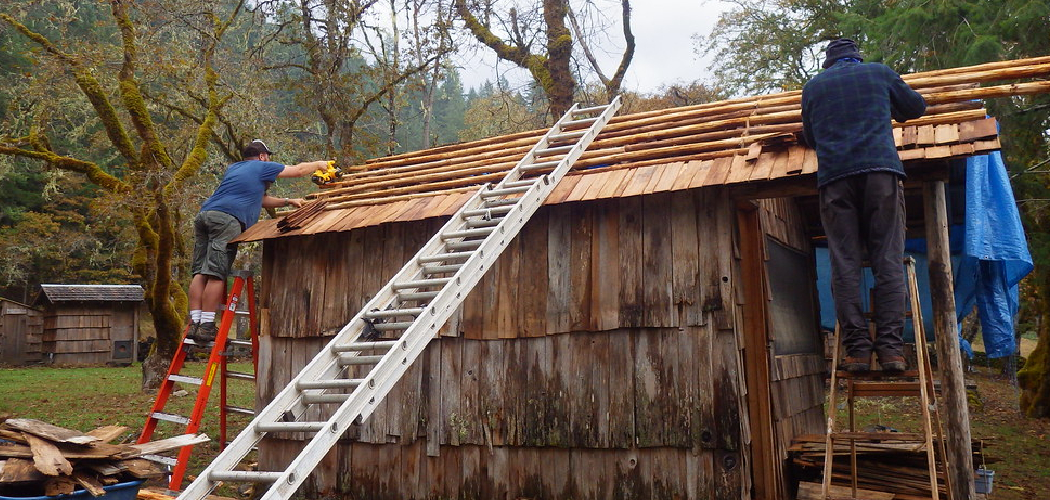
pixel 837 49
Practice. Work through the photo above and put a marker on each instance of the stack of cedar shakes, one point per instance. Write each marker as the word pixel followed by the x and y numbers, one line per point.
pixel 885 470
pixel 37 458
pixel 716 143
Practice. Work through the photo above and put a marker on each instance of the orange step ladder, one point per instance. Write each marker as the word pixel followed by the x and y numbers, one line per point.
pixel 215 370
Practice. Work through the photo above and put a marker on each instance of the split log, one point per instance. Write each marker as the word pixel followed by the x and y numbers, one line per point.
pixel 48 431
pixel 47 458
pixel 108 433
pixel 19 470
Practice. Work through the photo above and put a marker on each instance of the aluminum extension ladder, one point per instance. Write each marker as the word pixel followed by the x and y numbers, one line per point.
pixel 216 369
pixel 917 383
pixel 412 307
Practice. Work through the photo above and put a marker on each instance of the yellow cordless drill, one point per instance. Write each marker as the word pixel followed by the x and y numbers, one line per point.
pixel 326 175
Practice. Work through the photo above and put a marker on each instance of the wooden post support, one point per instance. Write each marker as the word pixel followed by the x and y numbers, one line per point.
pixel 949 362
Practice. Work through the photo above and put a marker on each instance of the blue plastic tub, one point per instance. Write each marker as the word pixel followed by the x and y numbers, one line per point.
pixel 119 491
pixel 984 480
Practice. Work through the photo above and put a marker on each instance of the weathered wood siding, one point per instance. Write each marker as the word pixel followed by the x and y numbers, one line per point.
pixel 90 333
pixel 796 379
pixel 597 359
pixel 20 333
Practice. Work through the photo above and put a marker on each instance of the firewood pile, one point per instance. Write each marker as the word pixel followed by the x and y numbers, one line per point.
pixel 37 458
pixel 890 467
pixel 735 127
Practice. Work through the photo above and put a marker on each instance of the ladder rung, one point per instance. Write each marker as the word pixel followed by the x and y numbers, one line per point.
pixel 417 296
pixel 240 409
pixel 443 257
pixel 441 269
pixel 242 313
pixel 877 375
pixel 487 212
pixel 541 165
pixel 245 476
pixel 393 313
pixel 427 283
pixel 169 461
pixel 316 399
pixel 463 245
pixel 467 233
pixel 501 202
pixel 357 359
pixel 240 375
pixel 381 345
pixel 584 121
pixel 290 426
pixel 390 327
pixel 170 417
pixel 495 193
pixel 884 388
pixel 557 150
pixel 592 109
pixel 476 223
pixel 185 379
pixel 576 134
pixel 525 182
pixel 245 343
pixel 335 383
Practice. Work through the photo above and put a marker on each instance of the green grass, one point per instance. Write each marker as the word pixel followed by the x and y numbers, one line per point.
pixel 90 397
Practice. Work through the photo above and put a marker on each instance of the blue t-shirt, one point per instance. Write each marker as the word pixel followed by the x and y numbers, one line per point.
pixel 241 191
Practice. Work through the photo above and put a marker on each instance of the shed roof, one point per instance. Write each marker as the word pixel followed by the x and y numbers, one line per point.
pixel 91 293
pixel 737 142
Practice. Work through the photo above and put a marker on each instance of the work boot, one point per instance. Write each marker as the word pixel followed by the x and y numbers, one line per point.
pixel 857 364
pixel 893 363
pixel 206 332
pixel 191 331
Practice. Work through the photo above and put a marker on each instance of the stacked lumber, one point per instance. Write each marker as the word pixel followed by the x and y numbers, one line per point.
pixel 37 458
pixel 895 467
pixel 735 127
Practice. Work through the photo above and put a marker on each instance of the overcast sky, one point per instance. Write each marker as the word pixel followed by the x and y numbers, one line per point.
pixel 664 53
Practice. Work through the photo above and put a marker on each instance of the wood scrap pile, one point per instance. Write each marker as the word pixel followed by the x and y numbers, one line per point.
pixel 37 458
pixel 735 127
pixel 894 467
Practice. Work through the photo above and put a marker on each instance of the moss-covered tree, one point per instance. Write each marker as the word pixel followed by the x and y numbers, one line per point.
pixel 140 165
pixel 538 39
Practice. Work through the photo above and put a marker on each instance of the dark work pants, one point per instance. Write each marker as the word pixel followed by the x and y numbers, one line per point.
pixel 863 214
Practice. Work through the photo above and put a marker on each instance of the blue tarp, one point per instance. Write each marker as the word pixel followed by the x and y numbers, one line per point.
pixel 989 258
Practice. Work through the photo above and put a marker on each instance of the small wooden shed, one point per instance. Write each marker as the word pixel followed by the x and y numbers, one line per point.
pixel 90 324
pixel 21 328
pixel 651 333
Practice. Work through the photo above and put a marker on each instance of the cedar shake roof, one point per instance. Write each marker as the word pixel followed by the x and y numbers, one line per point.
pixel 91 293
pixel 744 142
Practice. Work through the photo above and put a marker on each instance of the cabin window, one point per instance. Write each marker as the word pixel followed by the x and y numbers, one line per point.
pixel 793 321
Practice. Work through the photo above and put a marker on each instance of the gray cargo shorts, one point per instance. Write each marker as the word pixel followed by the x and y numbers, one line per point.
pixel 213 254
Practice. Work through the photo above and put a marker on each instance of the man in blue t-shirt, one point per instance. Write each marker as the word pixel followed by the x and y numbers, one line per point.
pixel 233 207
pixel 846 113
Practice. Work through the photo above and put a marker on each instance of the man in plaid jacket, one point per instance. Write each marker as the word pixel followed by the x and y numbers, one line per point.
pixel 846 113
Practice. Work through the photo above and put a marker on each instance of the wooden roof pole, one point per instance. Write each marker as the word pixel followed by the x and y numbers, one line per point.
pixel 949 360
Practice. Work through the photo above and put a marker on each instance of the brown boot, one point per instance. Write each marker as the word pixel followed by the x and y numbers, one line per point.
pixel 856 364
pixel 893 363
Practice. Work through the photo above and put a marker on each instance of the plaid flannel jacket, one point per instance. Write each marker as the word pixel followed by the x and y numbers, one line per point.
pixel 846 112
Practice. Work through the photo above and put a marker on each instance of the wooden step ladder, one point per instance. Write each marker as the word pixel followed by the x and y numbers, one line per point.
pixel 411 309
pixel 215 370
pixel 917 383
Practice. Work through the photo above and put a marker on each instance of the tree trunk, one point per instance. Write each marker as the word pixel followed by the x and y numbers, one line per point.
pixel 1034 378
pixel 155 368
pixel 561 86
